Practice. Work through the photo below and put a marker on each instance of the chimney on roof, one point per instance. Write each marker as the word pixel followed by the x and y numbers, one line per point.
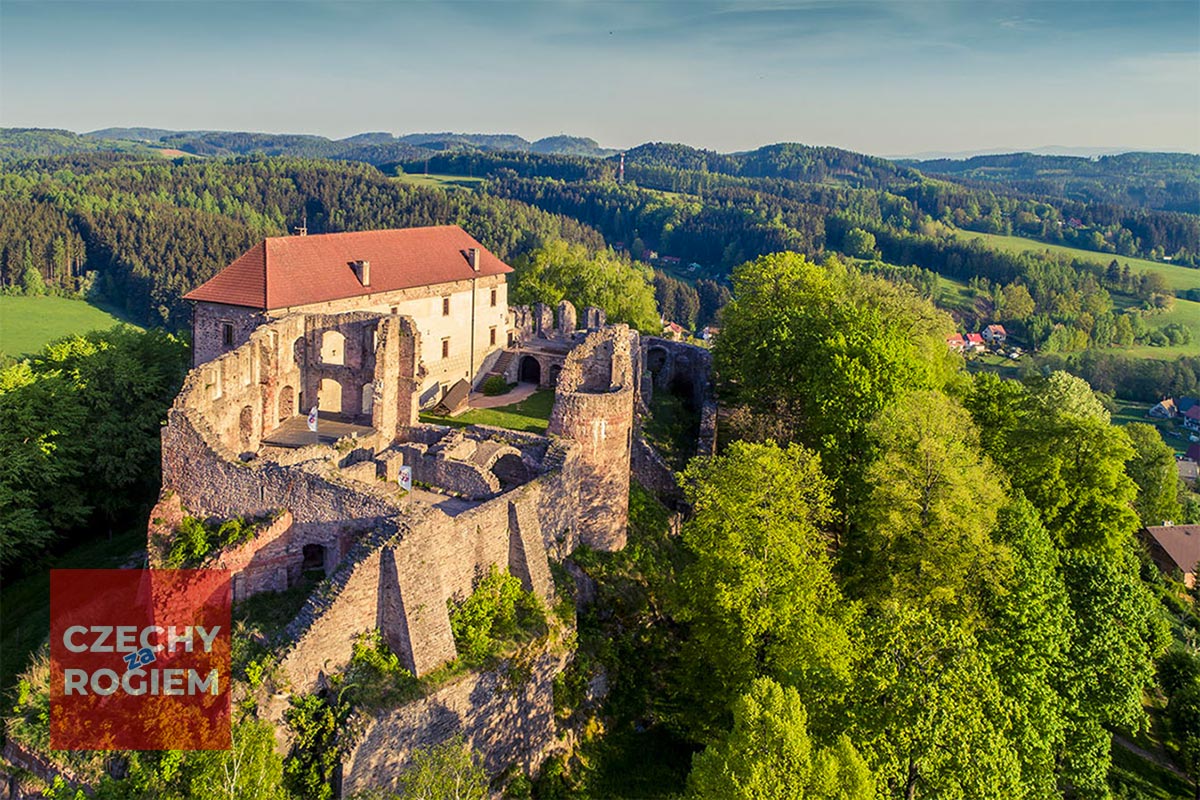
pixel 473 258
pixel 362 270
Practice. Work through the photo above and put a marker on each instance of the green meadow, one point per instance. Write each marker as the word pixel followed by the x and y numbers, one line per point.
pixel 28 323
pixel 1178 277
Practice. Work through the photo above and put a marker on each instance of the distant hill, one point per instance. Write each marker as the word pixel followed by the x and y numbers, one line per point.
pixel 1163 181
pixel 571 146
pixel 786 161
pixel 16 143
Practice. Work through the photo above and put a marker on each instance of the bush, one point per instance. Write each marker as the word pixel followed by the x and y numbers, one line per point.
pixel 496 385
pixel 375 677
pixel 497 613
pixel 194 540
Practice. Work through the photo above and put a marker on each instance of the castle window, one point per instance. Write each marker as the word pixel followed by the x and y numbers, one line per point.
pixel 493 301
pixel 446 348
pixel 445 306
pixel 227 334
pixel 492 335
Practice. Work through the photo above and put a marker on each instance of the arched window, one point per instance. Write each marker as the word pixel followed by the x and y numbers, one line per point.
pixel 287 403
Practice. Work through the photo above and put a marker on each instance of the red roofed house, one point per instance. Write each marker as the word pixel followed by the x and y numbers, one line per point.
pixel 974 341
pixel 957 342
pixel 440 276
pixel 1191 419
pixel 995 334
pixel 1175 549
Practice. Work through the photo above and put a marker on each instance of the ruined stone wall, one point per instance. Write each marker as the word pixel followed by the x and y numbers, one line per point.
pixel 507 721
pixel 594 406
pixel 684 370
pixel 208 320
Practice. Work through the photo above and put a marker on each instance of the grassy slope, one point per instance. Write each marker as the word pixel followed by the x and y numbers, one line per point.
pixel 531 414
pixel 441 181
pixel 1178 277
pixel 28 323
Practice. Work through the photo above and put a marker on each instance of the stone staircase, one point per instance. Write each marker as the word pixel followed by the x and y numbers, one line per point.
pixel 502 364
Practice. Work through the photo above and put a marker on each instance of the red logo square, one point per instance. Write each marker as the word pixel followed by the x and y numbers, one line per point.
pixel 139 659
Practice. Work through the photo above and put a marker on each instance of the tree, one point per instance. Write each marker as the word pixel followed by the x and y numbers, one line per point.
pixel 1153 469
pixel 1026 637
pixel 1059 448
pixel 927 711
pixel 447 771
pixel 932 505
pixel 859 244
pixel 759 597
pixel 769 756
pixel 815 352
pixel 1018 303
pixel 561 271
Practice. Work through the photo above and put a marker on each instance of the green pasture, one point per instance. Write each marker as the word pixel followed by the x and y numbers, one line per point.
pixel 29 323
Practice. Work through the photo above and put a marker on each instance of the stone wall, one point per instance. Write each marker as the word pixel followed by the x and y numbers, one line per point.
pixel 594 406
pixel 507 722
pixel 208 321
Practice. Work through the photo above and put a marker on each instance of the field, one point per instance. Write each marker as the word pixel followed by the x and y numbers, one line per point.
pixel 1178 278
pixel 28 323
pixel 451 182
pixel 531 415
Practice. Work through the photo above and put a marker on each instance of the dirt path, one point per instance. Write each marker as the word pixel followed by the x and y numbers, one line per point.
pixel 1150 756
pixel 481 400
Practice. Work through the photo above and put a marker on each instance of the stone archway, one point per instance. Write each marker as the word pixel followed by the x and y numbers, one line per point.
pixel 530 370
pixel 313 558
pixel 287 403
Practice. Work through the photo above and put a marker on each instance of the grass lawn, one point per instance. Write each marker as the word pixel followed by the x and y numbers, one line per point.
pixel 989 362
pixel 25 620
pixel 531 415
pixel 28 323
pixel 451 182
pixel 1178 277
pixel 1173 433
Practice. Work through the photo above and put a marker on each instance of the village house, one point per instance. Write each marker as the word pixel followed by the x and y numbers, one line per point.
pixel 995 334
pixel 674 331
pixel 441 277
pixel 1175 549
pixel 975 342
pixel 1164 409
pixel 1191 418
pixel 957 342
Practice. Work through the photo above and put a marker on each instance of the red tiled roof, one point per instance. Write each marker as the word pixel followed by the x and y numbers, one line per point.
pixel 997 329
pixel 1193 412
pixel 1181 543
pixel 974 338
pixel 298 270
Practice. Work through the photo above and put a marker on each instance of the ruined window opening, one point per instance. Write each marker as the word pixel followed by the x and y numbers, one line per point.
pixel 287 403
pixel 368 397
pixel 329 398
pixel 227 334
pixel 493 298
pixel 246 424
pixel 446 347
pixel 314 558
pixel 333 348
pixel 492 335
pixel 445 306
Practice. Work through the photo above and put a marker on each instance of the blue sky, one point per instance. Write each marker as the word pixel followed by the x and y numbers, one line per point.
pixel 879 76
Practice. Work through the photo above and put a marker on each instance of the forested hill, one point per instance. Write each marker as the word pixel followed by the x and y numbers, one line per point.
pixel 372 148
pixel 1166 181
pixel 786 161
pixel 147 231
